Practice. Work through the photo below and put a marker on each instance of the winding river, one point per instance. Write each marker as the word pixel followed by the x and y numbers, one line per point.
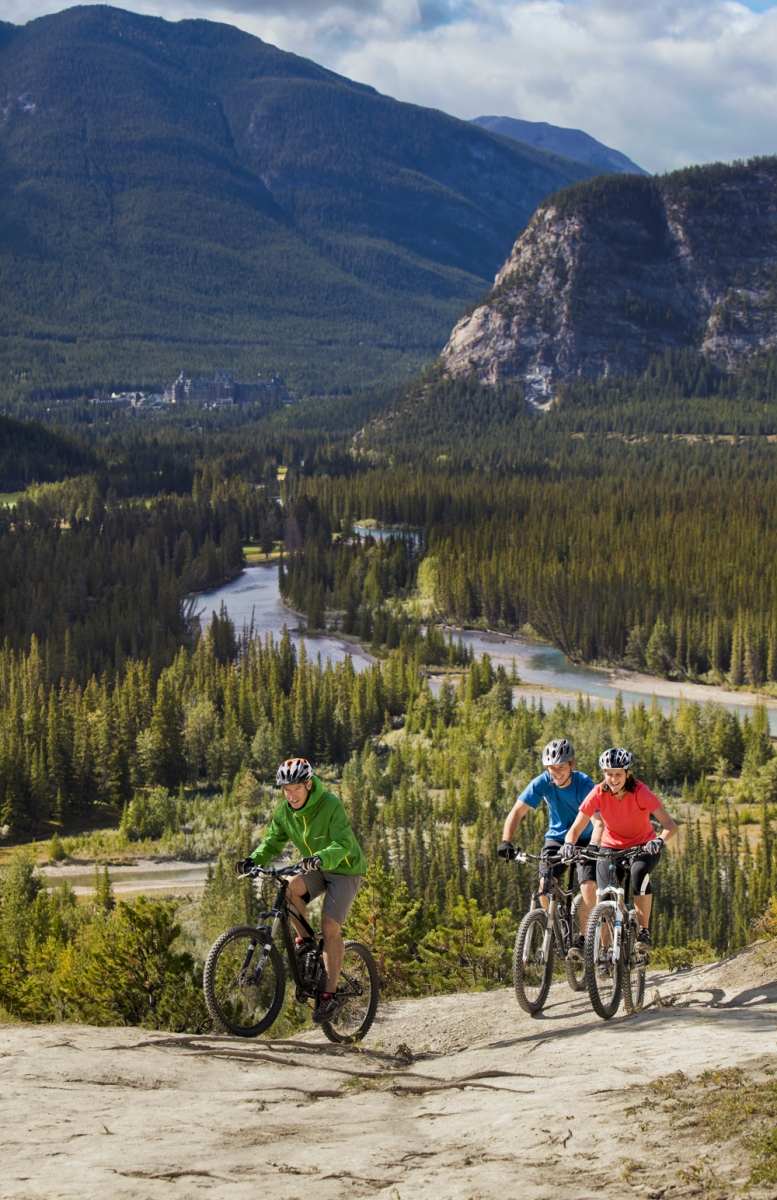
pixel 253 599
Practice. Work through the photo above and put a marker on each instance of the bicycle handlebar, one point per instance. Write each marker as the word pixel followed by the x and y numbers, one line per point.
pixel 273 872
pixel 581 852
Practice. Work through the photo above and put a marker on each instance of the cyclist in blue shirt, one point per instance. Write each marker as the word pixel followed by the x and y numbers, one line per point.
pixel 563 789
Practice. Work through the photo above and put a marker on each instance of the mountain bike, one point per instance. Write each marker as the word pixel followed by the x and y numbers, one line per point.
pixel 614 961
pixel 245 982
pixel 544 935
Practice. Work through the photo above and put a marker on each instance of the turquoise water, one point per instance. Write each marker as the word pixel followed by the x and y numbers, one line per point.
pixel 254 600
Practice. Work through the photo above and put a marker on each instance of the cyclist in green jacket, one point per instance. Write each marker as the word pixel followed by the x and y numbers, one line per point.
pixel 316 822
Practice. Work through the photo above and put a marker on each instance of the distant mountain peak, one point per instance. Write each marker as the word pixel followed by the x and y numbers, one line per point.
pixel 571 143
pixel 612 271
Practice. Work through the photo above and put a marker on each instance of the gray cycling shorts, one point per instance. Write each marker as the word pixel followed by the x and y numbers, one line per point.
pixel 340 892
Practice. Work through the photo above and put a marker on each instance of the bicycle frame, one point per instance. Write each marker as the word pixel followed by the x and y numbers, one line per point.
pixel 557 897
pixel 279 915
pixel 618 898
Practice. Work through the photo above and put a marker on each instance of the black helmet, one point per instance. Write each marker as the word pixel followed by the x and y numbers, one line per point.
pixel 294 770
pixel 616 759
pixel 557 752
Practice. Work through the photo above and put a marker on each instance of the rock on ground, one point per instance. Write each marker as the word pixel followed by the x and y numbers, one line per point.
pixel 492 1103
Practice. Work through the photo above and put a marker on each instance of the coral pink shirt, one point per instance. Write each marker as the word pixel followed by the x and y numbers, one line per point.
pixel 626 821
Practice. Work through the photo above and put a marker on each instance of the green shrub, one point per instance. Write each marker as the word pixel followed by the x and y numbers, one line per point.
pixel 682 958
pixel 149 814
pixel 57 851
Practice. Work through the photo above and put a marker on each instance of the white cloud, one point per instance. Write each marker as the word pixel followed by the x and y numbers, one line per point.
pixel 668 82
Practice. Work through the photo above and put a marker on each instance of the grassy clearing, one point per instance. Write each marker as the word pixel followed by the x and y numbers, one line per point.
pixel 8 499
pixel 255 555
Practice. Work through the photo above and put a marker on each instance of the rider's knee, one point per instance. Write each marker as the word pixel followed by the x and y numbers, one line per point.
pixel 329 927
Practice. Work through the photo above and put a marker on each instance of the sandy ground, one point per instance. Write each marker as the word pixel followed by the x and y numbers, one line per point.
pixel 453 1098
pixel 702 692
pixel 146 875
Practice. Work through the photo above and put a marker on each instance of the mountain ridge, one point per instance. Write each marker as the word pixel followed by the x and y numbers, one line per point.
pixel 571 143
pixel 202 199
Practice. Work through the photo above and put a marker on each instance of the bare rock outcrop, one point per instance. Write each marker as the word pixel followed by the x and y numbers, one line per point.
pixel 612 271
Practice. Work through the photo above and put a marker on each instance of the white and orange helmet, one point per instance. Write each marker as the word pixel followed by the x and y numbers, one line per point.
pixel 294 770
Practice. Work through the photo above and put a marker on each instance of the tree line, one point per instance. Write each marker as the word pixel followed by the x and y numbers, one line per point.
pixel 426 778
pixel 660 558
pixel 101 582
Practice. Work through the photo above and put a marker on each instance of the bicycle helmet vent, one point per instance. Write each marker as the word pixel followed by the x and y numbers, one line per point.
pixel 557 752
pixel 616 759
pixel 294 770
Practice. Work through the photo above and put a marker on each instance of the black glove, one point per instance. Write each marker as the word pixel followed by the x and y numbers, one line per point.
pixel 244 865
pixel 311 864
pixel 505 850
pixel 568 852
pixel 655 846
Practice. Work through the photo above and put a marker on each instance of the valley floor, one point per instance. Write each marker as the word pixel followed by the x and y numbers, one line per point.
pixel 461 1097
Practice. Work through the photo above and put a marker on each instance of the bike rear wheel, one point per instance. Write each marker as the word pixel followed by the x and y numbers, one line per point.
pixel 575 970
pixel 532 972
pixel 634 970
pixel 603 975
pixel 358 993
pixel 242 998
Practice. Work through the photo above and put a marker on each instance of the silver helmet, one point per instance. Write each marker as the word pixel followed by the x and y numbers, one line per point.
pixel 616 759
pixel 557 752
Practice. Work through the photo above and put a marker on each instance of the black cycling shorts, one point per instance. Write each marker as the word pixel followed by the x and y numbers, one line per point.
pixel 586 870
pixel 641 867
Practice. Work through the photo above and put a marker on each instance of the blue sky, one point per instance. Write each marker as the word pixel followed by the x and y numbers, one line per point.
pixel 669 82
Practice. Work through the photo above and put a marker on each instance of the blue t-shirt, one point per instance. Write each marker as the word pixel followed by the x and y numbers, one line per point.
pixel 563 803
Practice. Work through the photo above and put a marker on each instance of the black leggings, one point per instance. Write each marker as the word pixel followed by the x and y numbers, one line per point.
pixel 641 867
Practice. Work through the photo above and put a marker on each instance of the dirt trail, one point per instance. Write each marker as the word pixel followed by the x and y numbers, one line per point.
pixel 493 1104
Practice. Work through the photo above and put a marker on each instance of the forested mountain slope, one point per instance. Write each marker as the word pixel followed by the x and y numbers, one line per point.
pixel 612 271
pixel 186 195
pixel 31 453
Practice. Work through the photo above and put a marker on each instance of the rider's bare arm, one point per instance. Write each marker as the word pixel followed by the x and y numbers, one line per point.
pixel 598 833
pixel 513 819
pixel 669 827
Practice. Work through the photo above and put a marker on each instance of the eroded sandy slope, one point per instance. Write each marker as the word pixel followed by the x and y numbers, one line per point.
pixel 493 1104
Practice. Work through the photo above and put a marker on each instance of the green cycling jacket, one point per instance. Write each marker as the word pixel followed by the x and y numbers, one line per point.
pixel 320 827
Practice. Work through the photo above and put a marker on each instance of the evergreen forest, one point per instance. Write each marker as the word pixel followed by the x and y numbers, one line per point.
pixel 632 524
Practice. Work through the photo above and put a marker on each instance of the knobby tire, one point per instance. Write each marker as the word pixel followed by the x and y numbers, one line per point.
pixel 605 979
pixel 633 974
pixel 238 1002
pixel 359 982
pixel 575 971
pixel 532 979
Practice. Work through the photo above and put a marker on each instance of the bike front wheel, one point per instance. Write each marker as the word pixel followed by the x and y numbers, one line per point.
pixel 603 974
pixel 575 968
pixel 243 995
pixel 633 973
pixel 532 971
pixel 357 996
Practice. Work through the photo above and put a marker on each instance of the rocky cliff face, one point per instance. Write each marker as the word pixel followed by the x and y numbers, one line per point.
pixel 612 271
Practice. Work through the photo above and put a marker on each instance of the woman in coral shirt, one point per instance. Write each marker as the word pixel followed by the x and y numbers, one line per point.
pixel 624 805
